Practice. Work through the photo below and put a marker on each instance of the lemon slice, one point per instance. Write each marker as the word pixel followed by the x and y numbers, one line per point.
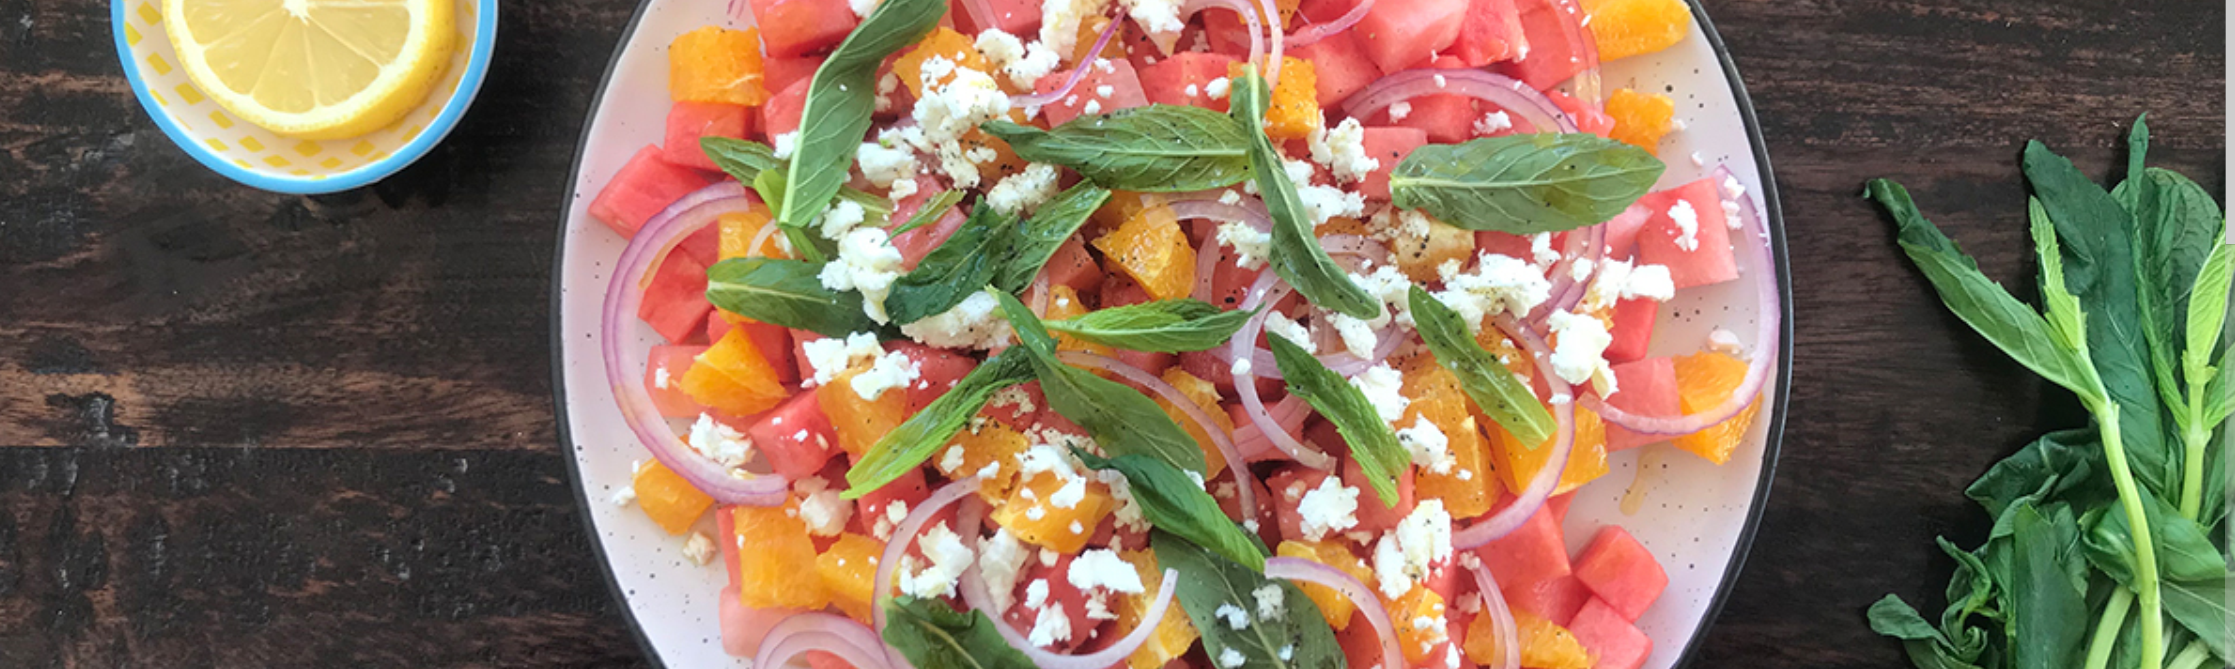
pixel 314 69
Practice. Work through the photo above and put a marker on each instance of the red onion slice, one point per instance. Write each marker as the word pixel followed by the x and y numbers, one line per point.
pixel 834 634
pixel 1299 569
pixel 1761 264
pixel 1540 486
pixel 1576 23
pixel 1584 245
pixel 1219 438
pixel 623 293
pixel 1249 13
pixel 1508 94
pixel 981 14
pixel 1252 441
pixel 904 535
pixel 1312 34
pixel 975 594
pixel 1092 56
pixel 1503 629
pixel 1267 290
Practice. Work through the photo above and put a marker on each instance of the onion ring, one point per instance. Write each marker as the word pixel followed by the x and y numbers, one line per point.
pixel 1092 56
pixel 1506 520
pixel 1508 94
pixel 975 594
pixel 817 631
pixel 1266 290
pixel 1300 569
pixel 1219 438
pixel 1312 34
pixel 1502 627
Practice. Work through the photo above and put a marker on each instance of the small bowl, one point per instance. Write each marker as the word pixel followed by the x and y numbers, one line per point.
pixel 263 159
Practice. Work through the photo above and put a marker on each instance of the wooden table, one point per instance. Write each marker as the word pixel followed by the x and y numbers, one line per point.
pixel 245 429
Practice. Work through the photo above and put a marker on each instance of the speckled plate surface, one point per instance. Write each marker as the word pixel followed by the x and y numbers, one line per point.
pixel 1698 518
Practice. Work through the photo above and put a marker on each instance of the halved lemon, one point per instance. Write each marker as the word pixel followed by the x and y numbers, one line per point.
pixel 315 69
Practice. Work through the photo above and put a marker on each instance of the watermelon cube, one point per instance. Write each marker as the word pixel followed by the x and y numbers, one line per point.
pixel 1646 387
pixel 1555 50
pixel 645 185
pixel 1016 17
pixel 1697 254
pixel 1448 119
pixel 910 490
pixel 1559 505
pixel 1490 33
pixel 795 436
pixel 1503 243
pixel 937 370
pixel 1184 79
pixel 1621 572
pixel 1534 552
pixel 663 376
pixel 1555 599
pixel 781 114
pixel 1621 231
pixel 781 73
pixel 675 302
pixel 1373 515
pixel 1341 67
pixel 791 28
pixel 1617 643
pixel 687 122
pixel 1072 266
pixel 1390 146
pixel 1633 329
pixel 1324 11
pixel 1109 85
pixel 1403 34
pixel 1588 118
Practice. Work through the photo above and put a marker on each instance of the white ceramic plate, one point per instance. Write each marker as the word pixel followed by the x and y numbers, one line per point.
pixel 1698 518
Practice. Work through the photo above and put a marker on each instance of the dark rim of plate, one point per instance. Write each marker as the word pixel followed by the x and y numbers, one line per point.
pixel 1772 440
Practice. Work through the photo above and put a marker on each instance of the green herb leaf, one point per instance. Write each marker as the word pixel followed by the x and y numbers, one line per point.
pixel 1494 389
pixel 2201 606
pixel 744 160
pixel 787 293
pixel 2049 622
pixel 907 447
pixel 1164 326
pixel 1926 647
pixel 2184 549
pixel 1038 238
pixel 1158 148
pixel 1296 254
pixel 2060 307
pixel 962 265
pixel 2007 323
pixel 2176 228
pixel 1122 420
pixel 1525 184
pixel 930 633
pixel 930 212
pixel 1174 503
pixel 1297 639
pixel 2064 466
pixel 2207 320
pixel 1379 455
pixel 839 102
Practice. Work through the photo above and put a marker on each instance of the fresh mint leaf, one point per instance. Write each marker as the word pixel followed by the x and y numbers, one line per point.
pixel 1297 638
pixel 930 212
pixel 2184 549
pixel 1494 389
pixel 1371 441
pixel 1296 254
pixel 783 292
pixel 2007 323
pixel 1163 326
pixel 1175 503
pixel 1045 231
pixel 1157 148
pixel 744 160
pixel 931 633
pixel 959 267
pixel 1525 184
pixel 840 100
pixel 2049 611
pixel 907 447
pixel 1122 420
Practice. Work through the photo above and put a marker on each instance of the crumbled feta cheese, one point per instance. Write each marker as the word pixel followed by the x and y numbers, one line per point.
pixel 1193 90
pixel 955 100
pixel 830 356
pixel 1025 191
pixel 1236 617
pixel 1160 18
pixel 999 47
pixel 951 460
pixel 1228 658
pixel 1499 284
pixel 1036 592
pixel 1620 280
pixel 1325 202
pixel 1331 507
pixel 841 218
pixel 720 443
pixel 1425 536
pixel 1399 110
pixel 1128 514
pixel 1389 568
pixel 1287 652
pixel 975 324
pixel 887 161
pixel 1251 246
pixel 1217 88
pixel 1051 627
pixel 1104 90
pixel 1540 249
pixel 625 496
pixel 1092 107
pixel 867 262
pixel 699 549
pixel 1361 337
pixel 1342 149
pixel 1383 387
pixel 862 8
pixel 1697 161
pixel 1725 342
pixel 825 512
pixel 1579 350
pixel 883 525
pixel 1069 496
pixel 1102 570
pixel 1060 21
pixel 785 144
pixel 1493 123
pixel 949 558
pixel 1430 448
pixel 1279 323
pixel 1272 601
pixel 660 378
pixel 1038 61
pixel 890 370
pixel 1014 396
pixel 1000 562
pixel 1687 225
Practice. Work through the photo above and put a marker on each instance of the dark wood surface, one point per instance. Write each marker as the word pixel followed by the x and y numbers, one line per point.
pixel 244 429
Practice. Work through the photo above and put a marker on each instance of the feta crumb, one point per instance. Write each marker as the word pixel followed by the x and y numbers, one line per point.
pixel 949 559
pixel 1697 161
pixel 1540 250
pixel 1342 149
pixel 975 324
pixel 1389 568
pixel 1000 48
pixel 1499 284
pixel 1241 367
pixel 1251 246
pixel 1092 107
pixel 1051 627
pixel 1326 202
pixel 1038 61
pixel 1193 90
pixel 1036 592
pixel 830 356
pixel 1399 110
pixel 1236 617
pixel 700 549
pixel 1102 570
pixel 842 217
pixel 1725 342
pixel 1287 652
pixel 625 496
pixel 1025 191
pixel 1430 448
pixel 888 161
pixel 1687 224
pixel 867 262
pixel 1493 123
pixel 720 443
pixel 1620 280
pixel 785 144
pixel 1105 90
pixel 890 370
pixel 1331 507
pixel 1279 323
pixel 1000 561
pixel 1579 350
pixel 825 512
pixel 1217 88
pixel 1383 387
pixel 862 8
pixel 951 460
pixel 660 378
pixel 955 101
pixel 1228 658
pixel 1271 601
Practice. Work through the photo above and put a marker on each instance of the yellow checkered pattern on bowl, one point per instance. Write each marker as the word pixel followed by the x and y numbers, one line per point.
pixel 256 149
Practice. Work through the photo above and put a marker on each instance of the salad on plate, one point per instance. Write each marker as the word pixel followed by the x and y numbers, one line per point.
pixel 1098 333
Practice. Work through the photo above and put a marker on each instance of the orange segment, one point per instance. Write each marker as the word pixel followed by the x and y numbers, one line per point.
pixel 859 422
pixel 1029 515
pixel 1586 459
pixel 1419 641
pixel 1627 28
pixel 1205 395
pixel 944 42
pixel 1063 303
pixel 1173 635
pixel 733 377
pixel 848 571
pixel 711 64
pixel 1640 118
pixel 1333 606
pixel 985 442
pixel 1704 380
pixel 770 561
pixel 1150 248
pixel 1469 488
pixel 1293 111
pixel 735 232
pixel 668 499
pixel 1544 644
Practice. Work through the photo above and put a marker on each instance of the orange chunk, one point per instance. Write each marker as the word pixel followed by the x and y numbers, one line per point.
pixel 1031 514
pixel 1419 642
pixel 1063 303
pixel 1627 28
pixel 1420 254
pixel 1173 635
pixel 736 231
pixel 859 422
pixel 1205 395
pixel 671 501
pixel 1704 380
pixel 1333 606
pixel 1517 464
pixel 769 564
pixel 1150 248
pixel 1544 644
pixel 944 42
pixel 1123 206
pixel 1293 112
pixel 712 64
pixel 1470 487
pixel 1640 118
pixel 1345 225
pixel 985 443
pixel 848 571
pixel 734 377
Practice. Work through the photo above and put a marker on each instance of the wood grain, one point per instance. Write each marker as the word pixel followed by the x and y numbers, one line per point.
pixel 281 431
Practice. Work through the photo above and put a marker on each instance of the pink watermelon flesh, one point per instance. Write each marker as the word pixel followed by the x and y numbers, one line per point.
pixel 1340 68
pixel 937 371
pixel 1016 17
pixel 792 28
pixel 1402 34
pixel 687 122
pixel 1621 572
pixel 796 436
pixel 1621 232
pixel 744 627
pixel 1619 644
pixel 1633 329
pixel 1709 259
pixel 645 185
pixel 1169 81
pixel 781 114
pixel 1123 84
pixel 1390 146
pixel 1448 119
pixel 675 302
pixel 1645 387
pixel 1555 599
pixel 1323 11
pixel 1491 32
pixel 1553 55
pixel 780 73
pixel 1534 552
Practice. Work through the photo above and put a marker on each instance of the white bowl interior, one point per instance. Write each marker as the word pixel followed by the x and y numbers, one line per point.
pixel 1693 516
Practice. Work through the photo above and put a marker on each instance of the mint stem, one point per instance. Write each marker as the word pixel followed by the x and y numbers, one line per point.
pixel 2107 628
pixel 2145 552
